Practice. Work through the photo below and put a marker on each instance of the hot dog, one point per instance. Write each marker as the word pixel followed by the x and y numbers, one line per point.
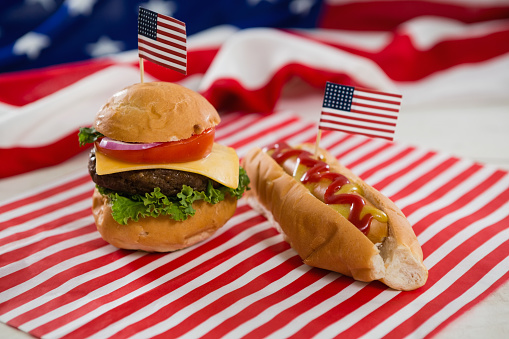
pixel 332 218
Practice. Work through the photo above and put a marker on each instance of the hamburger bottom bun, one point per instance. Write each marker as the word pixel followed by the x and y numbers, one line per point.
pixel 147 112
pixel 161 234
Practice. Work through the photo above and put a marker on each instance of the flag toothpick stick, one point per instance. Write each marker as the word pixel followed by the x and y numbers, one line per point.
pixel 317 142
pixel 141 70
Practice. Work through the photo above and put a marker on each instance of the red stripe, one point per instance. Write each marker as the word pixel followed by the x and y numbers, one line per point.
pixel 466 281
pixel 226 300
pixel 25 159
pixel 357 107
pixel 423 179
pixel 436 273
pixel 373 135
pixel 366 16
pixel 461 201
pixel 160 48
pixel 451 184
pixel 58 279
pixel 169 59
pixel 361 119
pixel 163 64
pixel 269 130
pixel 455 227
pixel 169 18
pixel 315 299
pixel 342 309
pixel 395 175
pixel 121 291
pixel 161 34
pixel 389 161
pixel 261 305
pixel 134 304
pixel 371 154
pixel 30 271
pixel 173 28
pixel 37 213
pixel 378 92
pixel 48 193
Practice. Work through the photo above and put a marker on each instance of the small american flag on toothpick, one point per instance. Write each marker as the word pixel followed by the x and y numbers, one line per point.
pixel 162 40
pixel 359 111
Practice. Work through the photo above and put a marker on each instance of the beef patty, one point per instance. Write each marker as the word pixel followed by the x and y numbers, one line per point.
pixel 144 181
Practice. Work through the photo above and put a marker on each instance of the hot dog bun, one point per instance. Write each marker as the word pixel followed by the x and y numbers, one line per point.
pixel 324 238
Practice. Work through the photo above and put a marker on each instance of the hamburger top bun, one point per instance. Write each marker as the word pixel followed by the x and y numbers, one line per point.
pixel 161 234
pixel 155 112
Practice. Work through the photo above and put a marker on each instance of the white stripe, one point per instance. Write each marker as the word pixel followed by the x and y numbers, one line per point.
pixel 161 37
pixel 165 62
pixel 171 31
pixel 39 204
pixel 360 92
pixel 385 154
pixel 270 312
pixel 203 279
pixel 442 285
pixel 387 295
pixel 123 281
pixel 451 196
pixel 48 217
pixel 44 276
pixel 359 115
pixel 462 236
pixel 44 252
pixel 188 311
pixel 241 304
pixel 361 151
pixel 234 127
pixel 153 50
pixel 355 130
pixel 454 306
pixel 476 204
pixel 372 110
pixel 394 167
pixel 178 25
pixel 414 174
pixel 161 44
pixel 431 186
pixel 304 318
pixel 346 145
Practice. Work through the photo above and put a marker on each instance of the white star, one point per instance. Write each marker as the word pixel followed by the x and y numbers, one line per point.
pixel 31 44
pixel 77 7
pixel 104 46
pixel 301 7
pixel 160 6
pixel 256 2
pixel 47 5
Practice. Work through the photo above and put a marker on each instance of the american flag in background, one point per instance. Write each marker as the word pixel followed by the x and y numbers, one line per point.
pixel 359 111
pixel 58 278
pixel 162 40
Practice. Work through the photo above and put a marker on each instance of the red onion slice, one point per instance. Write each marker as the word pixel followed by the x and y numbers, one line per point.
pixel 125 146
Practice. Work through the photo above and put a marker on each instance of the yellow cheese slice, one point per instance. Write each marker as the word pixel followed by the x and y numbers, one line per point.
pixel 221 165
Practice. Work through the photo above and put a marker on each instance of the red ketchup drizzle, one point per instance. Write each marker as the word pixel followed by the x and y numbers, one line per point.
pixel 319 170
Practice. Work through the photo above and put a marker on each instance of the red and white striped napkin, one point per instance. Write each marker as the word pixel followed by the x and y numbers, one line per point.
pixel 58 278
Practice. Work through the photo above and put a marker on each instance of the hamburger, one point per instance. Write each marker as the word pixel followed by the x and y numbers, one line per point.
pixel 162 183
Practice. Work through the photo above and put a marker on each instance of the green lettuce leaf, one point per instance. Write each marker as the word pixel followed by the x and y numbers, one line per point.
pixel 88 135
pixel 125 207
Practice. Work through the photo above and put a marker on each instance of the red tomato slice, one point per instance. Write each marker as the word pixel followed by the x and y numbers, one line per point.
pixel 196 147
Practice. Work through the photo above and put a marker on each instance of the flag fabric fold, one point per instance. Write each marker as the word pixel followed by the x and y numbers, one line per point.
pixel 266 74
